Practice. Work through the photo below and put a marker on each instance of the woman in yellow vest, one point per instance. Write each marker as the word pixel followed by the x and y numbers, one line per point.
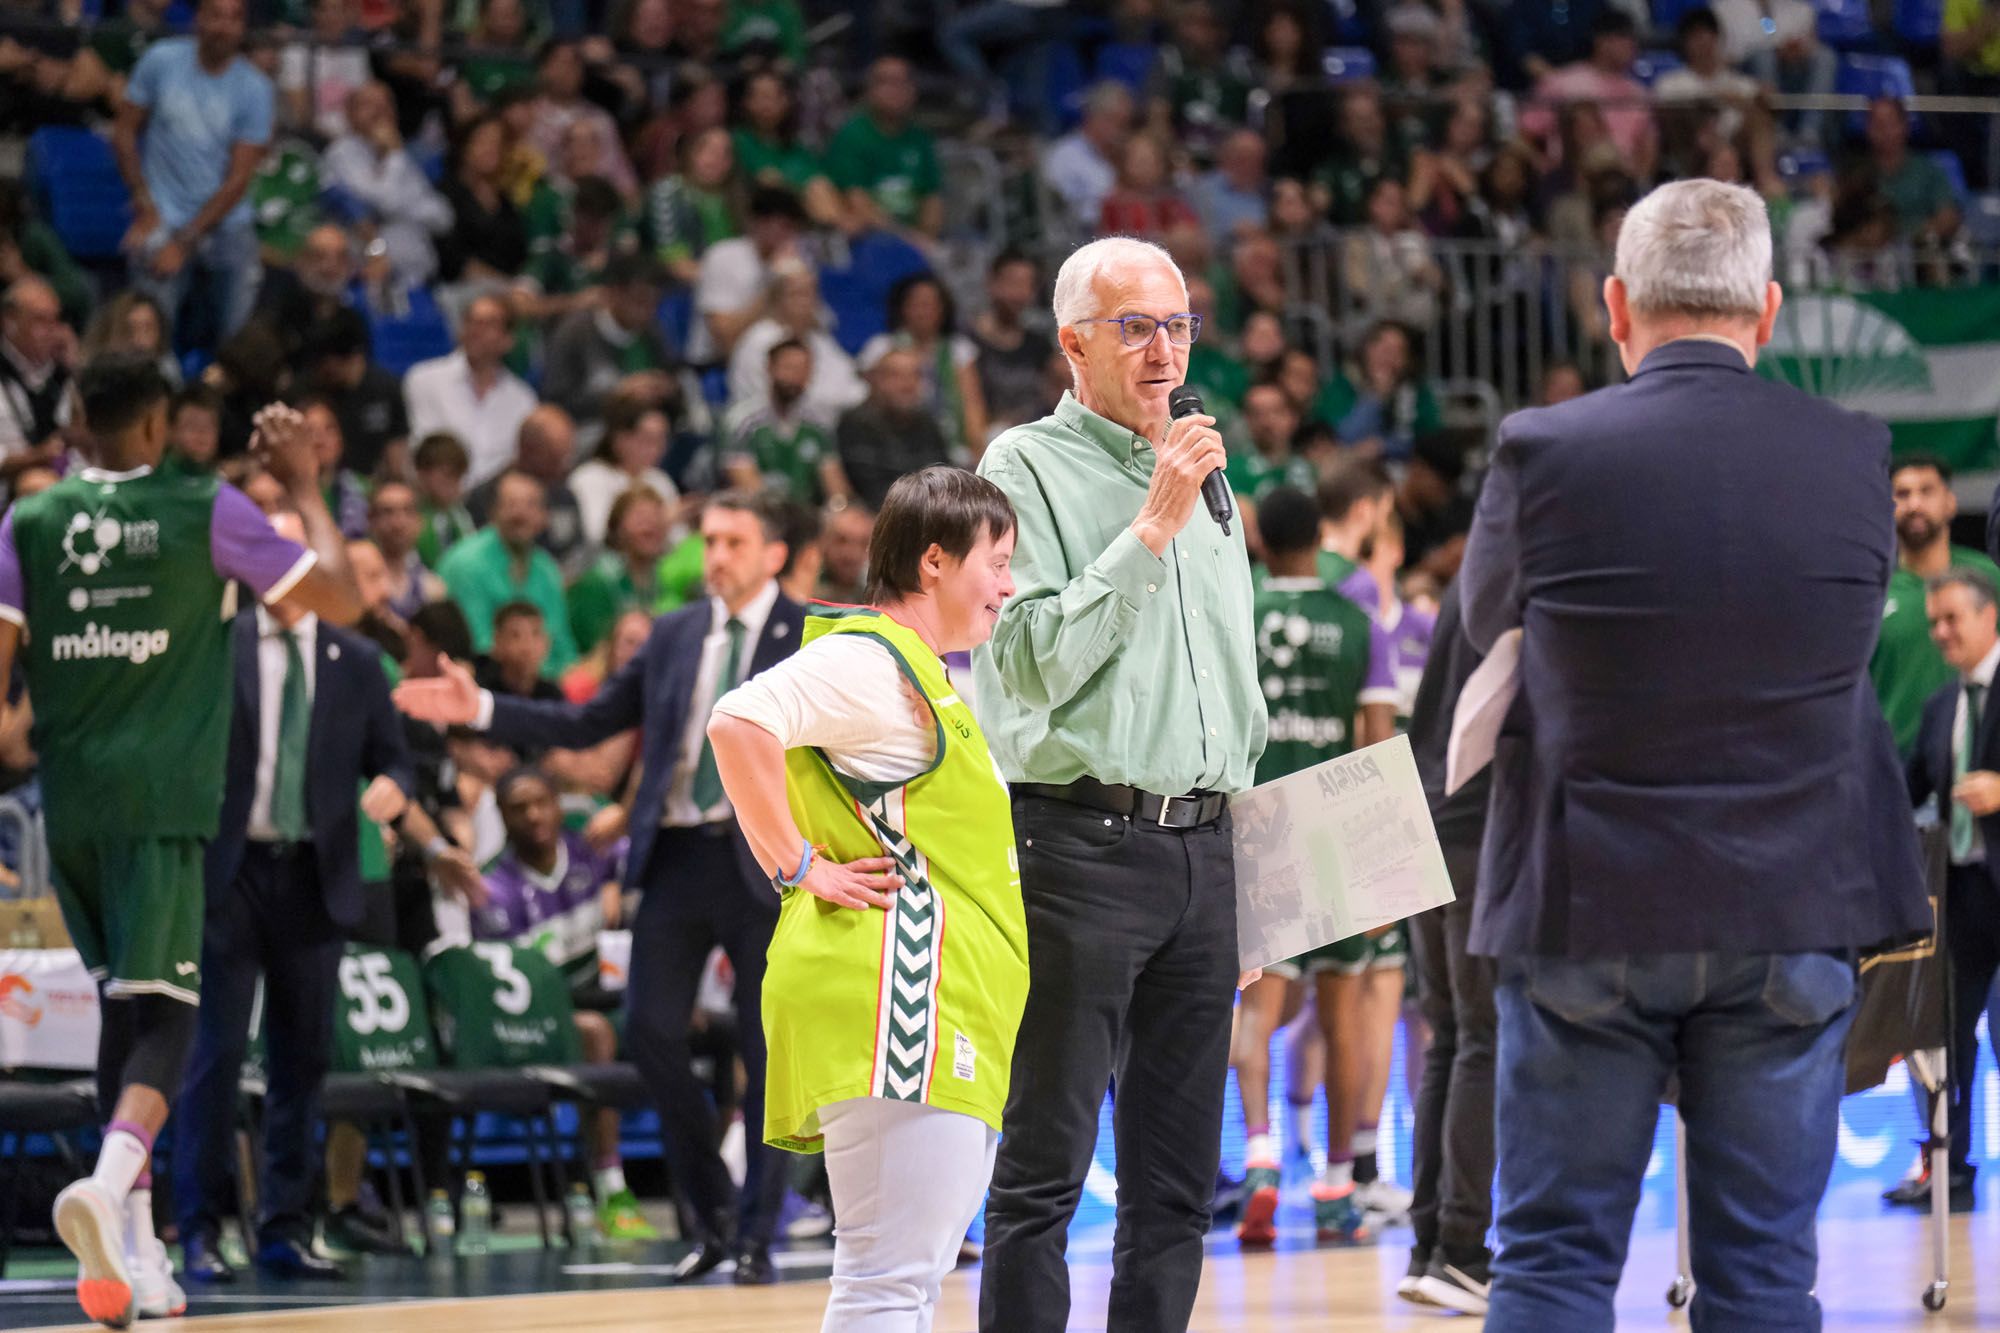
pixel 900 963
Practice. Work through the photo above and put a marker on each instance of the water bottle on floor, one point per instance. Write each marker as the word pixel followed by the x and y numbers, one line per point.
pixel 582 1215
pixel 444 1225
pixel 475 1208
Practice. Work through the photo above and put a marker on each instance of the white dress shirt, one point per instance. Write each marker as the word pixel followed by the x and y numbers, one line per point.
pixel 271 667
pixel 1982 676
pixel 439 396
pixel 681 811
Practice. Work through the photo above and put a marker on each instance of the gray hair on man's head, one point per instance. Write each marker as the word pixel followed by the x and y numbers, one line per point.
pixel 1977 585
pixel 1696 247
pixel 1076 282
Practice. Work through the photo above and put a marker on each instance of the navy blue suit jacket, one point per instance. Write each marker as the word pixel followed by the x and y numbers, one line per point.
pixel 652 693
pixel 1696 759
pixel 356 734
pixel 1930 767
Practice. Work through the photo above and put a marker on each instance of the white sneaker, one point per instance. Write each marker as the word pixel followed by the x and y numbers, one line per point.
pixel 92 1225
pixel 1384 1197
pixel 812 1223
pixel 154 1290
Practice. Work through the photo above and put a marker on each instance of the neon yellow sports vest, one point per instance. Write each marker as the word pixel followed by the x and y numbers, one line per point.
pixel 919 1003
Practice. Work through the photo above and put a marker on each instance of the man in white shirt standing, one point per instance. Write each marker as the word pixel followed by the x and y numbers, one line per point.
pixel 471 393
pixel 729 295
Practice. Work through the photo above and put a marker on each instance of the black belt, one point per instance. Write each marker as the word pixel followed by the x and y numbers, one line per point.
pixel 1191 810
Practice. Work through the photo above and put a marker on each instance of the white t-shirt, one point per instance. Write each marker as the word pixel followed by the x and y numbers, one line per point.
pixel 846 696
pixel 330 73
pixel 597 485
pixel 732 277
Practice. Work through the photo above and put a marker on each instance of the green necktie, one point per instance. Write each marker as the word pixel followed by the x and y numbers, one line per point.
pixel 1962 760
pixel 707 789
pixel 288 775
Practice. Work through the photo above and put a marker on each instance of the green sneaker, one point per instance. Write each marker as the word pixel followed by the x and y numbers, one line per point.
pixel 620 1218
pixel 1258 1225
pixel 1338 1217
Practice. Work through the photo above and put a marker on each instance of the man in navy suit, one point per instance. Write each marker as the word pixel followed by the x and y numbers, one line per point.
pixel 702 886
pixel 1695 821
pixel 312 721
pixel 1955 759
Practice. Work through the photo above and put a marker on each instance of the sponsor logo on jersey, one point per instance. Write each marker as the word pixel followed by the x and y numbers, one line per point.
pixel 1290 725
pixel 98 643
pixel 89 540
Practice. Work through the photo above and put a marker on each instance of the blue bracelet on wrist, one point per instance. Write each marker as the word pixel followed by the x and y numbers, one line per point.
pixel 797 877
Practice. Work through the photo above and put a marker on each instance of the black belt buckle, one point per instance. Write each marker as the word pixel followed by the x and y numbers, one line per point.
pixel 1192 805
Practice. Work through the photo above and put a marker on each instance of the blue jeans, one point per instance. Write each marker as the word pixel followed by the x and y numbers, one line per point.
pixel 1586 1052
pixel 213 293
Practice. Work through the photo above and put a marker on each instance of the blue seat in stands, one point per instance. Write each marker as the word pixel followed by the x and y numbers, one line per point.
pixel 417 334
pixel 1129 63
pixel 79 191
pixel 1667 14
pixel 1064 92
pixel 1953 169
pixel 1650 65
pixel 858 294
pixel 1918 22
pixel 1873 76
pixel 1348 64
pixel 676 318
pixel 1846 24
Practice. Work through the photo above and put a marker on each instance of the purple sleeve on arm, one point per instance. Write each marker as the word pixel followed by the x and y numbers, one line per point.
pixel 13 596
pixel 1359 588
pixel 243 546
pixel 1381 662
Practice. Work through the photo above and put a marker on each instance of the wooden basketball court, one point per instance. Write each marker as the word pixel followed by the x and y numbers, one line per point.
pixel 1872 1272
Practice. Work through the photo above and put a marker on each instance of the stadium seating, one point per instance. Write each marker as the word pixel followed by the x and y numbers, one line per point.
pixel 77 187
pixel 1651 65
pixel 417 333
pixel 858 291
pixel 1349 64
pixel 37 1108
pixel 1873 76
pixel 1918 22
pixel 1846 24
pixel 1129 63
pixel 1667 14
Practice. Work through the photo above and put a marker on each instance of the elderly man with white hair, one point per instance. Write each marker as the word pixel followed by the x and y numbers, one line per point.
pixel 1119 694
pixel 1695 822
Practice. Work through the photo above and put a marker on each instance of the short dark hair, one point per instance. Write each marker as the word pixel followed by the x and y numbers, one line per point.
pixel 1350 482
pixel 633 271
pixel 785 345
pixel 1012 254
pixel 941 506
pixel 517 610
pixel 442 449
pixel 342 332
pixel 803 527
pixel 444 624
pixel 119 389
pixel 1288 521
pixel 1613 22
pixel 1694 21
pixel 775 201
pixel 754 503
pixel 518 774
pixel 596 197
pixel 196 395
pixel 1921 460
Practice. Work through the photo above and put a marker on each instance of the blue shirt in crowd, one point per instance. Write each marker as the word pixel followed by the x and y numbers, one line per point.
pixel 196 120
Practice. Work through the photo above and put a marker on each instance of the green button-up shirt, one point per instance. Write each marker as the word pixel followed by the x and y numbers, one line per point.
pixel 1110 662
pixel 479 574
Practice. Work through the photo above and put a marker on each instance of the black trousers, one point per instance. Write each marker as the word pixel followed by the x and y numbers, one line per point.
pixel 1972 938
pixel 271 921
pixel 1453 1142
pixel 697 898
pixel 1132 972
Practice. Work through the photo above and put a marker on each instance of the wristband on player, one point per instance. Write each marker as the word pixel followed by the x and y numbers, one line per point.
pixel 798 877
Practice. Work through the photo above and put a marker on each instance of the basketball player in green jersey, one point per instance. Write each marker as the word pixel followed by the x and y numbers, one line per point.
pixel 116 588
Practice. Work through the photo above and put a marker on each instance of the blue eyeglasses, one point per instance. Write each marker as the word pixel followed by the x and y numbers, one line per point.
pixel 1139 330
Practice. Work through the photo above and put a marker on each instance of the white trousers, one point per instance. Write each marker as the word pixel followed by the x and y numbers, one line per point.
pixel 907 1181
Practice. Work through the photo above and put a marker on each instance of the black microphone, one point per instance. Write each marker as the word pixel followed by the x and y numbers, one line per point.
pixel 1184 401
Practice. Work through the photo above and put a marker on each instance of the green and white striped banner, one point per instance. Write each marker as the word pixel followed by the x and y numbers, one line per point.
pixel 1925 360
